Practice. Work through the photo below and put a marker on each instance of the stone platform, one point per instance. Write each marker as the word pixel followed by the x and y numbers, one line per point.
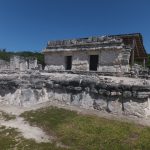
pixel 115 95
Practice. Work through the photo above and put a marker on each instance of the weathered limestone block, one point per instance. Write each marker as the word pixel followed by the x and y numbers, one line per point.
pixel 14 62
pixel 54 68
pixel 109 57
pixel 86 91
pixel 22 63
pixel 55 62
pixel 143 94
pixel 4 65
pixel 125 68
pixel 62 98
pixel 32 63
pixel 114 68
pixel 86 101
pixel 107 69
pixel 80 62
pixel 76 99
pixel 25 97
pixel 115 106
pixel 135 108
pixel 127 94
pixel 103 92
pixel 126 53
pixel 100 104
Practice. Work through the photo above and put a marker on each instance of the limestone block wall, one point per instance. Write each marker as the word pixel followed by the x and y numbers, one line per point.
pixel 22 63
pixel 32 63
pixel 4 65
pixel 14 62
pixel 80 61
pixel 115 60
pixel 55 61
pixel 125 56
pixel 109 57
pixel 89 92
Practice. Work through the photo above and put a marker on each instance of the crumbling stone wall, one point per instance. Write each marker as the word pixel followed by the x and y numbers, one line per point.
pixel 32 63
pixel 80 61
pixel 22 63
pixel 113 54
pixel 115 60
pixel 56 61
pixel 89 92
pixel 15 63
pixel 4 65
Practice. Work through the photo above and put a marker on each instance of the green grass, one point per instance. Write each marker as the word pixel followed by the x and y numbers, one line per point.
pixel 78 132
pixel 10 139
pixel 6 116
pixel 82 132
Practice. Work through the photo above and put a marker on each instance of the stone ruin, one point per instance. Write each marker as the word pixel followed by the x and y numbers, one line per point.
pixel 19 63
pixel 70 78
pixel 4 65
pixel 115 54
pixel 119 96
pixel 22 63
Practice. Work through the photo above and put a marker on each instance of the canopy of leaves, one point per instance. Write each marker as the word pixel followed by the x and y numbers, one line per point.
pixel 148 61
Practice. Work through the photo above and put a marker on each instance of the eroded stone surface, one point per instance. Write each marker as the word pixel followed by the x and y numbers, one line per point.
pixel 115 95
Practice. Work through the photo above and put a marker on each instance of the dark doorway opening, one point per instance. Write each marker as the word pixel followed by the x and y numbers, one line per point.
pixel 93 62
pixel 68 62
pixel 28 63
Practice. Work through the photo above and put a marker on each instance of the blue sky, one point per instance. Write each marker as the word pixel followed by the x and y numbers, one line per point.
pixel 29 24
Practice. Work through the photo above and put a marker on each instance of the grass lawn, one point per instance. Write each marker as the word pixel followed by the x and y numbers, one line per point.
pixel 6 116
pixel 10 139
pixel 83 132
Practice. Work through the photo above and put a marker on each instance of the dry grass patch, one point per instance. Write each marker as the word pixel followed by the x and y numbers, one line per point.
pixel 83 132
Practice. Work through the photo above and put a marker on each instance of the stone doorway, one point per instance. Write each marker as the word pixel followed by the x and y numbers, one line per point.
pixel 68 62
pixel 93 62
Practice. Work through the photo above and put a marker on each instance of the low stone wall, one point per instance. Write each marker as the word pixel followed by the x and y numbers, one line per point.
pixel 90 92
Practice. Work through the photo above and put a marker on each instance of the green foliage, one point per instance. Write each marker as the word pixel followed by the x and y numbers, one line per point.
pixel 148 61
pixel 89 132
pixel 5 55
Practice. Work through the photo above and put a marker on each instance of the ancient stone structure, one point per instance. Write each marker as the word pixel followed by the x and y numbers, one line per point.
pixel 4 65
pixel 125 96
pixel 22 63
pixel 101 54
pixel 19 63
pixel 76 80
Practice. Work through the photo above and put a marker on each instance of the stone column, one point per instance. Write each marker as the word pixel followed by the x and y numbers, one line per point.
pixel 144 63
pixel 132 57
